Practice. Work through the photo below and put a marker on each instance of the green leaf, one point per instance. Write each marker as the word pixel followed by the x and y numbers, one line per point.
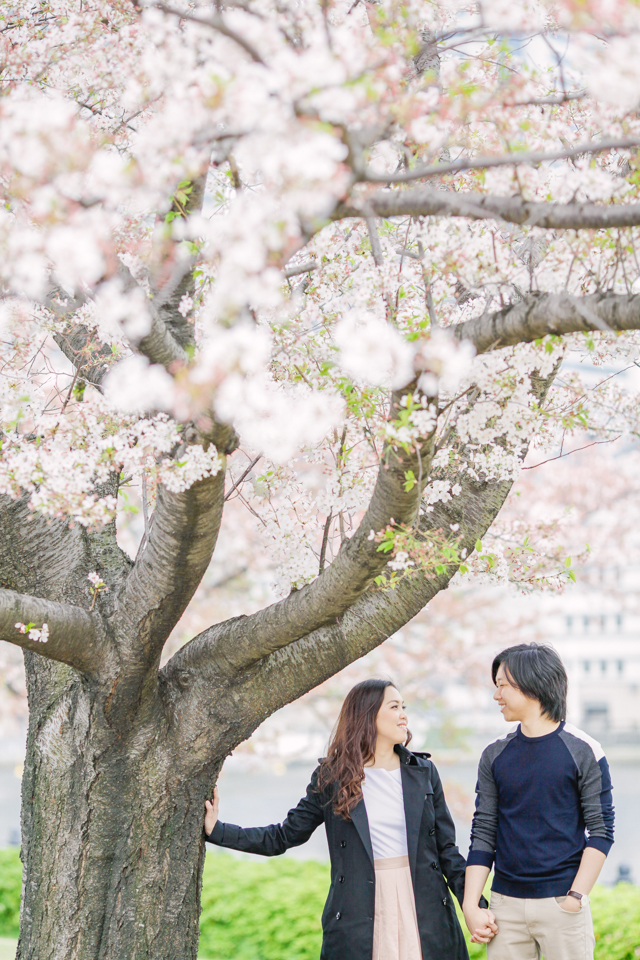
pixel 479 546
pixel 409 480
pixel 567 562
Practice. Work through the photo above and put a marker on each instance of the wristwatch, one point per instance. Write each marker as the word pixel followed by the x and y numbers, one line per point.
pixel 578 896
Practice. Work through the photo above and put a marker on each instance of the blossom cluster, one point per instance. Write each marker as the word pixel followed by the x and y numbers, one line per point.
pixel 289 319
pixel 38 634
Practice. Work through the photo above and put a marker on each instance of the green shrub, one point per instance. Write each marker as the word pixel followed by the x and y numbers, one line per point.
pixel 616 920
pixel 271 910
pixel 262 911
pixel 10 886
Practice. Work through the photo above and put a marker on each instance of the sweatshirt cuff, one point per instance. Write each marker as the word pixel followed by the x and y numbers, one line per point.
pixel 601 844
pixel 217 834
pixel 480 858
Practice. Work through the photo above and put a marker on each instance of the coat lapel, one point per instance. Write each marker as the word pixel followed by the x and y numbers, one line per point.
pixel 359 817
pixel 414 785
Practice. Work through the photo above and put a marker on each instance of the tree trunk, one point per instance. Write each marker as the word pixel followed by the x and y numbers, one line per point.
pixel 111 828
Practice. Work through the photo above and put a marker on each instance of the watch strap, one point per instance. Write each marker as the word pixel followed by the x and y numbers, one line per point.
pixel 576 895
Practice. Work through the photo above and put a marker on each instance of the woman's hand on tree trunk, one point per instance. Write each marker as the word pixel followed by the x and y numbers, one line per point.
pixel 211 814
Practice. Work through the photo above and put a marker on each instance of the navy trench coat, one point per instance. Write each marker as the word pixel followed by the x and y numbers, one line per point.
pixel 437 867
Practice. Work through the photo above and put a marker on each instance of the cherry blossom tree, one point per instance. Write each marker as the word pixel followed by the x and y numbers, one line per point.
pixel 324 258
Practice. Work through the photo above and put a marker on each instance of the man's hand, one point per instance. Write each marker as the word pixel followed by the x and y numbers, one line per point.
pixel 571 905
pixel 480 922
pixel 211 815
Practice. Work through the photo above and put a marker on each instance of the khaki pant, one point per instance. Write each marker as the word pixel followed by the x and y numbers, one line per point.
pixel 529 929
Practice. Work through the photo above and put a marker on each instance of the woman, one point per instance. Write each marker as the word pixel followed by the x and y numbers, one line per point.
pixel 391 838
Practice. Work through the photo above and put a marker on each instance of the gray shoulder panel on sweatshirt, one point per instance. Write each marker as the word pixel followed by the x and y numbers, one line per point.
pixel 587 754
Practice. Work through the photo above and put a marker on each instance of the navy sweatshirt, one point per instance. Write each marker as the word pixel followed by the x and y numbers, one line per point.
pixel 540 801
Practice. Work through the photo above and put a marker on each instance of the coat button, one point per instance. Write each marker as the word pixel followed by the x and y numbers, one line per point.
pixel 343 843
pixel 432 831
pixel 434 865
pixel 340 879
pixel 370 881
pixel 445 901
pixel 338 915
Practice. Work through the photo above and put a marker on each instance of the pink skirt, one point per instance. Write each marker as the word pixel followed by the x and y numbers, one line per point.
pixel 395 928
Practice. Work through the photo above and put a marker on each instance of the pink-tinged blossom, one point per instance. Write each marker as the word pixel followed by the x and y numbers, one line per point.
pixel 38 634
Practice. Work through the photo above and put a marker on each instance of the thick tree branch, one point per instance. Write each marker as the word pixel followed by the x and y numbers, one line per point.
pixel 182 538
pixel 508 160
pixel 550 313
pixel 289 672
pixel 73 634
pixel 160 345
pixel 90 358
pixel 167 298
pixel 237 644
pixel 428 202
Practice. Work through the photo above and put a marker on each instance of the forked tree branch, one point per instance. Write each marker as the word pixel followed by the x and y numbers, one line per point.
pixel 290 671
pixel 428 202
pixel 182 538
pixel 74 635
pixel 550 313
pixel 236 645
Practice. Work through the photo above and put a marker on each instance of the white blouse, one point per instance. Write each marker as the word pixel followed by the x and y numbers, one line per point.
pixel 384 803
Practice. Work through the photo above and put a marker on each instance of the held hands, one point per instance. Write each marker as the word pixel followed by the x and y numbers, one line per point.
pixel 211 815
pixel 481 923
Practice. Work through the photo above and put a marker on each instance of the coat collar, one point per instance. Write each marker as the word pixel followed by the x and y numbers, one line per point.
pixel 407 757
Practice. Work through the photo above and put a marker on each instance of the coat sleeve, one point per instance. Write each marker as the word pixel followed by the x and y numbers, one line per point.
pixel 451 860
pixel 277 837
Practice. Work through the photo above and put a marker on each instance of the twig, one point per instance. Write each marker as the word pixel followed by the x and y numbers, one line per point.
pixel 568 454
pixel 548 101
pixel 243 475
pixel 216 23
pixel 325 539
pixel 486 162
pixel 376 248
pixel 306 267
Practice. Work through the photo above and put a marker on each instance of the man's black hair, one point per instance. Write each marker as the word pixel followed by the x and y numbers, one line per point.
pixel 538 671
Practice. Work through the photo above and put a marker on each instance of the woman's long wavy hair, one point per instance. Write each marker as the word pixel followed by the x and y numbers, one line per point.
pixel 352 744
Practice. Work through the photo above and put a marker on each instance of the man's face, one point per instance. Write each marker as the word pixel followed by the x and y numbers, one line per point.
pixel 513 703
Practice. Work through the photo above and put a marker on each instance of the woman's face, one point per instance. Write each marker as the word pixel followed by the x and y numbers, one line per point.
pixel 391 721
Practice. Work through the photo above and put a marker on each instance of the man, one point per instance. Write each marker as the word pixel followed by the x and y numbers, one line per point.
pixel 543 814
